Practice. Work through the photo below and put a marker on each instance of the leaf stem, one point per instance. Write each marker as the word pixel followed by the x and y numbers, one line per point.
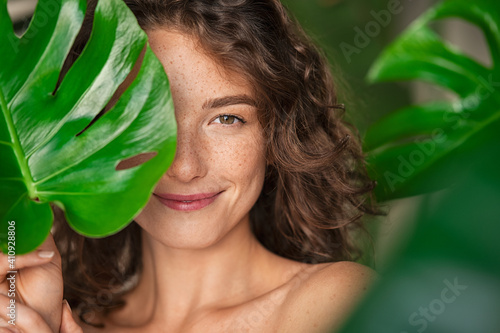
pixel 16 146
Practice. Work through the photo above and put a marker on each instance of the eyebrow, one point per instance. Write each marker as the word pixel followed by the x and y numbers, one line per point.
pixel 214 103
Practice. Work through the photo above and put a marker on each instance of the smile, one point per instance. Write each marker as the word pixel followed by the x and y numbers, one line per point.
pixel 187 203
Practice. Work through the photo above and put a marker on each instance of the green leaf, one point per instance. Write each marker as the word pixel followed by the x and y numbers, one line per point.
pixel 446 276
pixel 55 146
pixel 408 149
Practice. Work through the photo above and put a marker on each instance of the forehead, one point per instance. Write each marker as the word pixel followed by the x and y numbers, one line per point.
pixel 190 69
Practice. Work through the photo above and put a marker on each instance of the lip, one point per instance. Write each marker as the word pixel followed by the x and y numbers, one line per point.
pixel 187 203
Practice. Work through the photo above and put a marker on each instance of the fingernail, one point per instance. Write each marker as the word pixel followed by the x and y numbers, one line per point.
pixel 45 254
pixel 67 304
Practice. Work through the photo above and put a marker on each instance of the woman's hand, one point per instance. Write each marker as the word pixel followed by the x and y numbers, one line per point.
pixel 37 289
pixel 68 324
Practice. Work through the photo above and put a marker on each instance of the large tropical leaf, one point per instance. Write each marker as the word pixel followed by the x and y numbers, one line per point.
pixel 446 277
pixel 409 148
pixel 49 153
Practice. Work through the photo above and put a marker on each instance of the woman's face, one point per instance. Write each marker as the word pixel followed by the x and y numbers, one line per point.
pixel 219 166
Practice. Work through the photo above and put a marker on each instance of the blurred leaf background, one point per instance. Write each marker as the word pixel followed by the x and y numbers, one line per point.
pixel 335 22
pixel 437 251
pixel 334 25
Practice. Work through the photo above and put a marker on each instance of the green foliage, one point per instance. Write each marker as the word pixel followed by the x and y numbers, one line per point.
pixel 446 277
pixel 336 23
pixel 49 152
pixel 409 149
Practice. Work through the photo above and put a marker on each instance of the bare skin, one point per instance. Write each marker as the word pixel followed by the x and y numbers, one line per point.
pixel 276 295
pixel 38 290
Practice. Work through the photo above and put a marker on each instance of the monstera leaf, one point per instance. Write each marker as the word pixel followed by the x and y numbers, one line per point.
pixel 445 275
pixel 409 149
pixel 55 146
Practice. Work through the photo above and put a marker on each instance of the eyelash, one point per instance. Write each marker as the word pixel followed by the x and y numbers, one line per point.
pixel 239 119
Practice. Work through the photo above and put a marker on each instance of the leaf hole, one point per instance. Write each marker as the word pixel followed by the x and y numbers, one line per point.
pixel 466 37
pixel 21 12
pixel 119 91
pixel 134 161
pixel 79 44
pixel 424 92
pixel 99 115
pixel 127 82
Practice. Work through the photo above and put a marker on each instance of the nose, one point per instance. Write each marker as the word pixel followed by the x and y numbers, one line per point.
pixel 188 162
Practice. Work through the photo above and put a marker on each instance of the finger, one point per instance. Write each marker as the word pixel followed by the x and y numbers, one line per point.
pixel 14 263
pixel 49 245
pixel 9 330
pixel 24 318
pixel 45 253
pixel 68 324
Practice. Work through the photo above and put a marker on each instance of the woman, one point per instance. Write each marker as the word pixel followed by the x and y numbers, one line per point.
pixel 250 227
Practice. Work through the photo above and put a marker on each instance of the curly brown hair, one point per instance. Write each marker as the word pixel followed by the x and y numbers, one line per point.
pixel 316 188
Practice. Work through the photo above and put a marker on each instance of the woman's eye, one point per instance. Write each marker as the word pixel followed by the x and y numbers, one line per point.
pixel 227 119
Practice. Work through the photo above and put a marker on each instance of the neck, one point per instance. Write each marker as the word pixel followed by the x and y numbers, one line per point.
pixel 176 283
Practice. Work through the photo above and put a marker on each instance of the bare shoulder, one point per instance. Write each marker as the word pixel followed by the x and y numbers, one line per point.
pixel 323 296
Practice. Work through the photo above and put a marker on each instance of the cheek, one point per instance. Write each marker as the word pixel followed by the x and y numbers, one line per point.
pixel 240 160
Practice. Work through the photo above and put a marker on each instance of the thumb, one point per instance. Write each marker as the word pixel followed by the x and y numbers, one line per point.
pixel 68 324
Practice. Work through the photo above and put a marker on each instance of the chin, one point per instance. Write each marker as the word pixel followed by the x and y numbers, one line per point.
pixel 195 235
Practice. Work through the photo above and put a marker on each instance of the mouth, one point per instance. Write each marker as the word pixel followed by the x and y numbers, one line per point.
pixel 187 203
